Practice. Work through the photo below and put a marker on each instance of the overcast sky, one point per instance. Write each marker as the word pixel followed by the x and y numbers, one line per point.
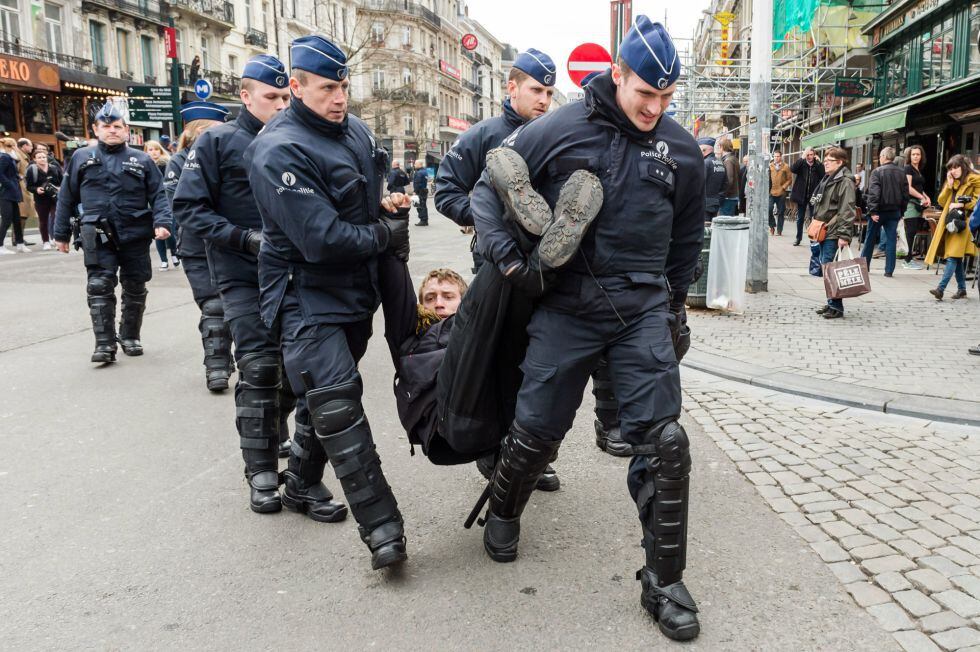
pixel 557 26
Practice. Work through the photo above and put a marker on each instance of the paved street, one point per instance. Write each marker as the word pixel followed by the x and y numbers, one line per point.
pixel 814 526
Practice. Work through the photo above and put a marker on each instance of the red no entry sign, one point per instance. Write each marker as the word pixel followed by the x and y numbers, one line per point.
pixel 586 59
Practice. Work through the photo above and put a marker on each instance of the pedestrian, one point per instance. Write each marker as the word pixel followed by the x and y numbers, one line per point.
pixel 715 178
pixel 951 239
pixel 318 267
pixel 214 203
pixel 43 178
pixel 807 173
pixel 743 176
pixel 729 194
pixel 780 181
pixel 161 157
pixel 123 208
pixel 623 295
pixel 397 179
pixel 888 194
pixel 420 184
pixel 10 197
pixel 860 178
pixel 833 203
pixel 25 155
pixel 215 336
pixel 918 201
pixel 530 87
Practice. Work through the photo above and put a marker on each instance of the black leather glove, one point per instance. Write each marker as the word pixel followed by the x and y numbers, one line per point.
pixel 252 241
pixel 529 277
pixel 397 226
pixel 680 333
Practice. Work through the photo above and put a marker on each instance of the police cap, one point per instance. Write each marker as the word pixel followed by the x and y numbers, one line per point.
pixel 319 56
pixel 266 69
pixel 650 53
pixel 537 64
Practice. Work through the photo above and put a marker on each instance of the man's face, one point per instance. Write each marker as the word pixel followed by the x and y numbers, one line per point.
pixel 530 98
pixel 810 155
pixel 777 158
pixel 26 147
pixel 642 103
pixel 325 97
pixel 707 150
pixel 263 100
pixel 441 297
pixel 112 133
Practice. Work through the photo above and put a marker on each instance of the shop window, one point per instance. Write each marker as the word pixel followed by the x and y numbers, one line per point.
pixel 8 119
pixel 71 116
pixel 36 109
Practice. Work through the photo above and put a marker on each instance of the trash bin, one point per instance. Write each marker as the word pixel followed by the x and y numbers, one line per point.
pixel 728 258
pixel 699 289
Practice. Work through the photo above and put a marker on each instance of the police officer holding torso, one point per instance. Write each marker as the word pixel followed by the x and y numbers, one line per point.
pixel 317 176
pixel 530 87
pixel 123 207
pixel 714 178
pixel 218 363
pixel 623 294
pixel 214 202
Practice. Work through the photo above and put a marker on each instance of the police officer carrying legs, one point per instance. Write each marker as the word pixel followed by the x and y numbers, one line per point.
pixel 218 363
pixel 317 176
pixel 214 202
pixel 530 86
pixel 123 207
pixel 623 295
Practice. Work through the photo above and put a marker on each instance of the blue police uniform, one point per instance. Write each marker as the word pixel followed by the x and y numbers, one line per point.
pixel 318 187
pixel 397 180
pixel 623 295
pixel 714 180
pixel 213 202
pixel 215 336
pixel 122 199
pixel 420 184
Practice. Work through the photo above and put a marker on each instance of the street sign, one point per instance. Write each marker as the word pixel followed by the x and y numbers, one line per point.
pixel 202 88
pixel 150 103
pixel 586 59
pixel 854 87
pixel 470 42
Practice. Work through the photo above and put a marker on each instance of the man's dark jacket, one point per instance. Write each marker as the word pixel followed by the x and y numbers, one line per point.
pixel 888 190
pixel 805 180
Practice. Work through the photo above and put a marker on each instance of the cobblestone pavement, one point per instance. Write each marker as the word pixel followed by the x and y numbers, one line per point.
pixel 891 504
pixel 898 338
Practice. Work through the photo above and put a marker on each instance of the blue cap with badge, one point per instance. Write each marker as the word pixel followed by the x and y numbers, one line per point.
pixel 650 53
pixel 319 56
pixel 203 111
pixel 537 64
pixel 710 142
pixel 110 113
pixel 266 69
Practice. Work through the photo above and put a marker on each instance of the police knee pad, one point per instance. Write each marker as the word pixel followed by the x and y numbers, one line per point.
pixel 260 370
pixel 213 308
pixel 98 286
pixel 673 450
pixel 336 408
pixel 133 287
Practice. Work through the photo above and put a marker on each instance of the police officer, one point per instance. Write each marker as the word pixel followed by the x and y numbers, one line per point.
pixel 317 176
pixel 714 178
pixel 420 184
pixel 123 207
pixel 530 87
pixel 397 179
pixel 624 294
pixel 218 363
pixel 214 202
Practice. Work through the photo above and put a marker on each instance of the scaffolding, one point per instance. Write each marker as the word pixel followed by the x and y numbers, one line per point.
pixel 808 58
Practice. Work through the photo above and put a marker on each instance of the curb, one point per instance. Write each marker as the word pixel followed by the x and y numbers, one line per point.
pixel 922 407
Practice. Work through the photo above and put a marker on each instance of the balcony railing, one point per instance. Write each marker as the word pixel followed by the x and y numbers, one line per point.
pixel 150 80
pixel 125 74
pixel 101 70
pixel 65 60
pixel 148 9
pixel 470 86
pixel 401 95
pixel 222 83
pixel 219 11
pixel 390 6
pixel 256 38
pixel 409 132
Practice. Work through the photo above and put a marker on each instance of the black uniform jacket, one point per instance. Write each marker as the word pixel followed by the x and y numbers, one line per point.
pixel 115 182
pixel 464 162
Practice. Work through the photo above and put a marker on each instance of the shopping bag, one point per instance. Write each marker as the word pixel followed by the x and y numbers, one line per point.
pixel 901 242
pixel 848 278
pixel 815 268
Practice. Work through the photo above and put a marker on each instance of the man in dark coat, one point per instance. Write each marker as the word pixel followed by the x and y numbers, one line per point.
pixel 807 173
pixel 397 179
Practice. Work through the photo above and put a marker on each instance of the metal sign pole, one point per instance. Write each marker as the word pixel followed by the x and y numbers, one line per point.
pixel 175 86
pixel 757 187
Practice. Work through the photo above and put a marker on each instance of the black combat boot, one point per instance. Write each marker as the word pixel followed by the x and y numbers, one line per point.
pixel 215 336
pixel 102 308
pixel 257 409
pixel 608 436
pixel 549 480
pixel 304 491
pixel 131 318
pixel 579 201
pixel 510 178
pixel 661 495
pixel 523 458
pixel 344 433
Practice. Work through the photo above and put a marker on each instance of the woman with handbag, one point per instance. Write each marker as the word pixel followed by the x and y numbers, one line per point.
pixel 832 225
pixel 43 180
pixel 952 239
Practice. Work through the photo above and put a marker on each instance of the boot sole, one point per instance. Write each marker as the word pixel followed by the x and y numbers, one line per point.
pixel 499 557
pixel 266 508
pixel 218 388
pixel 685 633
pixel 103 358
pixel 553 484
pixel 389 555
pixel 511 180
pixel 578 204
pixel 133 353
pixel 301 507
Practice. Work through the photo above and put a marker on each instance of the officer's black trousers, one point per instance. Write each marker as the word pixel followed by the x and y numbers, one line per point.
pixel 423 207
pixel 199 277
pixel 128 264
